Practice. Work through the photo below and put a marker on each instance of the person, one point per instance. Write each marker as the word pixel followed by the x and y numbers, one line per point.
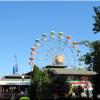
pixel 83 94
pixel 87 92
pixel 73 95
pixel 26 92
pixel 90 91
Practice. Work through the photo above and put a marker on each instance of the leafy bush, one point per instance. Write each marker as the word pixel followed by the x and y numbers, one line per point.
pixel 24 98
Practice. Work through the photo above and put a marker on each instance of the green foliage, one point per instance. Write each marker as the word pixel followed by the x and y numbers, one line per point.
pixel 86 43
pixel 24 98
pixel 96 25
pixel 68 87
pixel 92 58
pixel 45 84
pixel 60 86
pixel 40 82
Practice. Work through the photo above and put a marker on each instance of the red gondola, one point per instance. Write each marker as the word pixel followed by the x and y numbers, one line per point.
pixel 32 48
pixel 75 43
pixel 32 53
pixel 68 37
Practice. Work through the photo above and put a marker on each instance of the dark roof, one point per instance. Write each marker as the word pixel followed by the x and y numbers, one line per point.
pixel 55 66
pixel 28 73
pixel 71 71
pixel 16 76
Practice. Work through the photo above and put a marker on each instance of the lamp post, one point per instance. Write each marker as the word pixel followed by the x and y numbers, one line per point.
pixel 22 78
pixel 22 83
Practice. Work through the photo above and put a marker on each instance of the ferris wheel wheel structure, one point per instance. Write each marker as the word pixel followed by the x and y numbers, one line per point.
pixel 55 48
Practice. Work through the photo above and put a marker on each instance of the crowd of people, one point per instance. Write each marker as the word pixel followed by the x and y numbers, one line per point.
pixel 80 92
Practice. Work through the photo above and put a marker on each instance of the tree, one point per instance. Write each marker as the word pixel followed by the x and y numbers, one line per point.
pixel 39 85
pixel 68 88
pixel 96 25
pixel 92 58
pixel 60 86
pixel 45 83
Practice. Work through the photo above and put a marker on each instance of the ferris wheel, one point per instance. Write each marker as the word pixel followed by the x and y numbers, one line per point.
pixel 51 45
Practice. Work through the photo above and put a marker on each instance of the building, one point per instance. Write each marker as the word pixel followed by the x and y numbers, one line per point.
pixel 76 77
pixel 16 83
pixel 13 84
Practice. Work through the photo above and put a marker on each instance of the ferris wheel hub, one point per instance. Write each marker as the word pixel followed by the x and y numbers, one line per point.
pixel 59 59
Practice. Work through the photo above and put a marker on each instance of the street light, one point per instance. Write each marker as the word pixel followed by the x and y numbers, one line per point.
pixel 22 77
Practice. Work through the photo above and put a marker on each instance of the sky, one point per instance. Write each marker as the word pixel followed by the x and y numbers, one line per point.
pixel 23 22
